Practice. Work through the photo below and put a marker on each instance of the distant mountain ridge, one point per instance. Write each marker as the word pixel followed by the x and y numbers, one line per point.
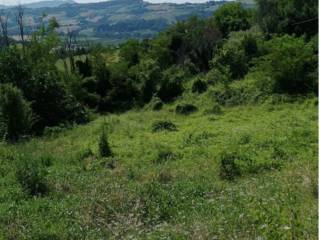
pixel 112 21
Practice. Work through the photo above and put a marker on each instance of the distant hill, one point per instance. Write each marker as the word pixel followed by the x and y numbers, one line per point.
pixel 47 4
pixel 112 21
pixel 42 4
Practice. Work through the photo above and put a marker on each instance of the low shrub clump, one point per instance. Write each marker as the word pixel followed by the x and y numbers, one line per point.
pixel 31 174
pixel 215 109
pixel 155 104
pixel 186 109
pixel 199 86
pixel 165 155
pixel 104 147
pixel 159 126
pixel 229 168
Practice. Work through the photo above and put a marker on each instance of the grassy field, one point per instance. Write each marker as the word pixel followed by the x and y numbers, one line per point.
pixel 247 172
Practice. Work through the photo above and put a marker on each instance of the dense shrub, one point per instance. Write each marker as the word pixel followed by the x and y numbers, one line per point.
pixel 31 174
pixel 14 68
pixel 171 84
pixel 50 101
pixel 229 168
pixel 104 148
pixel 163 126
pixel 148 74
pixel 155 104
pixel 16 117
pixel 122 92
pixel 232 17
pixel 290 66
pixel 215 109
pixel 192 43
pixel 288 16
pixel 236 54
pixel 199 86
pixel 84 68
pixel 186 109
pixel 240 92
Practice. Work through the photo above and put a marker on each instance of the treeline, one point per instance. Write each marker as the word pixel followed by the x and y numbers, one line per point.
pixel 244 53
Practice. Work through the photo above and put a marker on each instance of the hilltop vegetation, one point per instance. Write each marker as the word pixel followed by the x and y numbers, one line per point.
pixel 207 131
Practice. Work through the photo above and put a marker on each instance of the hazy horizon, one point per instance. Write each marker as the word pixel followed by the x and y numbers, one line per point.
pixel 16 2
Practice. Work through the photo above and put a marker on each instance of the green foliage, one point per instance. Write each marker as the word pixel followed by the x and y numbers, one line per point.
pixel 104 148
pixel 159 126
pixel 84 68
pixel 229 169
pixel 31 174
pixel 171 84
pixel 14 67
pixel 288 16
pixel 130 51
pixel 232 17
pixel 186 109
pixel 290 66
pixel 236 54
pixel 155 104
pixel 193 42
pixel 240 92
pixel 199 86
pixel 16 117
pixel 215 109
pixel 102 76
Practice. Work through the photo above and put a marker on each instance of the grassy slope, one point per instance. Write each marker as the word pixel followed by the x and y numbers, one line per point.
pixel 181 197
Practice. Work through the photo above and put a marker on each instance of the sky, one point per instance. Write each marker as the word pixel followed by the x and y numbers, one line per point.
pixel 15 2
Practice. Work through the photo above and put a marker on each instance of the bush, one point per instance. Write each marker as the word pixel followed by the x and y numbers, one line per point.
pixel 171 84
pixel 165 155
pixel 290 66
pixel 50 101
pixel 199 86
pixel 239 92
pixel 163 126
pixel 16 116
pixel 31 174
pixel 235 57
pixel 232 17
pixel 155 104
pixel 104 148
pixel 216 109
pixel 186 109
pixel 229 169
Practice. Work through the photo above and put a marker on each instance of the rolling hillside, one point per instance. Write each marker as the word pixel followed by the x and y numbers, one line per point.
pixel 115 20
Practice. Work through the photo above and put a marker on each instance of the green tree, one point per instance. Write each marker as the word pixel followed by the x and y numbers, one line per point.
pixel 290 66
pixel 232 17
pixel 16 117
pixel 288 16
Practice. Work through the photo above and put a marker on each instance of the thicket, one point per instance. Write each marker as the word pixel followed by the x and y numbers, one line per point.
pixel 240 54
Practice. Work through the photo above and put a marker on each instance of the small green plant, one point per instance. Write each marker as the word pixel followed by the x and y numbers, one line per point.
pixel 104 148
pixel 86 153
pixel 164 176
pixel 229 169
pixel 165 155
pixel 186 109
pixel 31 174
pixel 159 126
pixel 216 110
pixel 199 86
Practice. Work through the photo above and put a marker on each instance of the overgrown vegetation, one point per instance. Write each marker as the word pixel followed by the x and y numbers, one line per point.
pixel 213 125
